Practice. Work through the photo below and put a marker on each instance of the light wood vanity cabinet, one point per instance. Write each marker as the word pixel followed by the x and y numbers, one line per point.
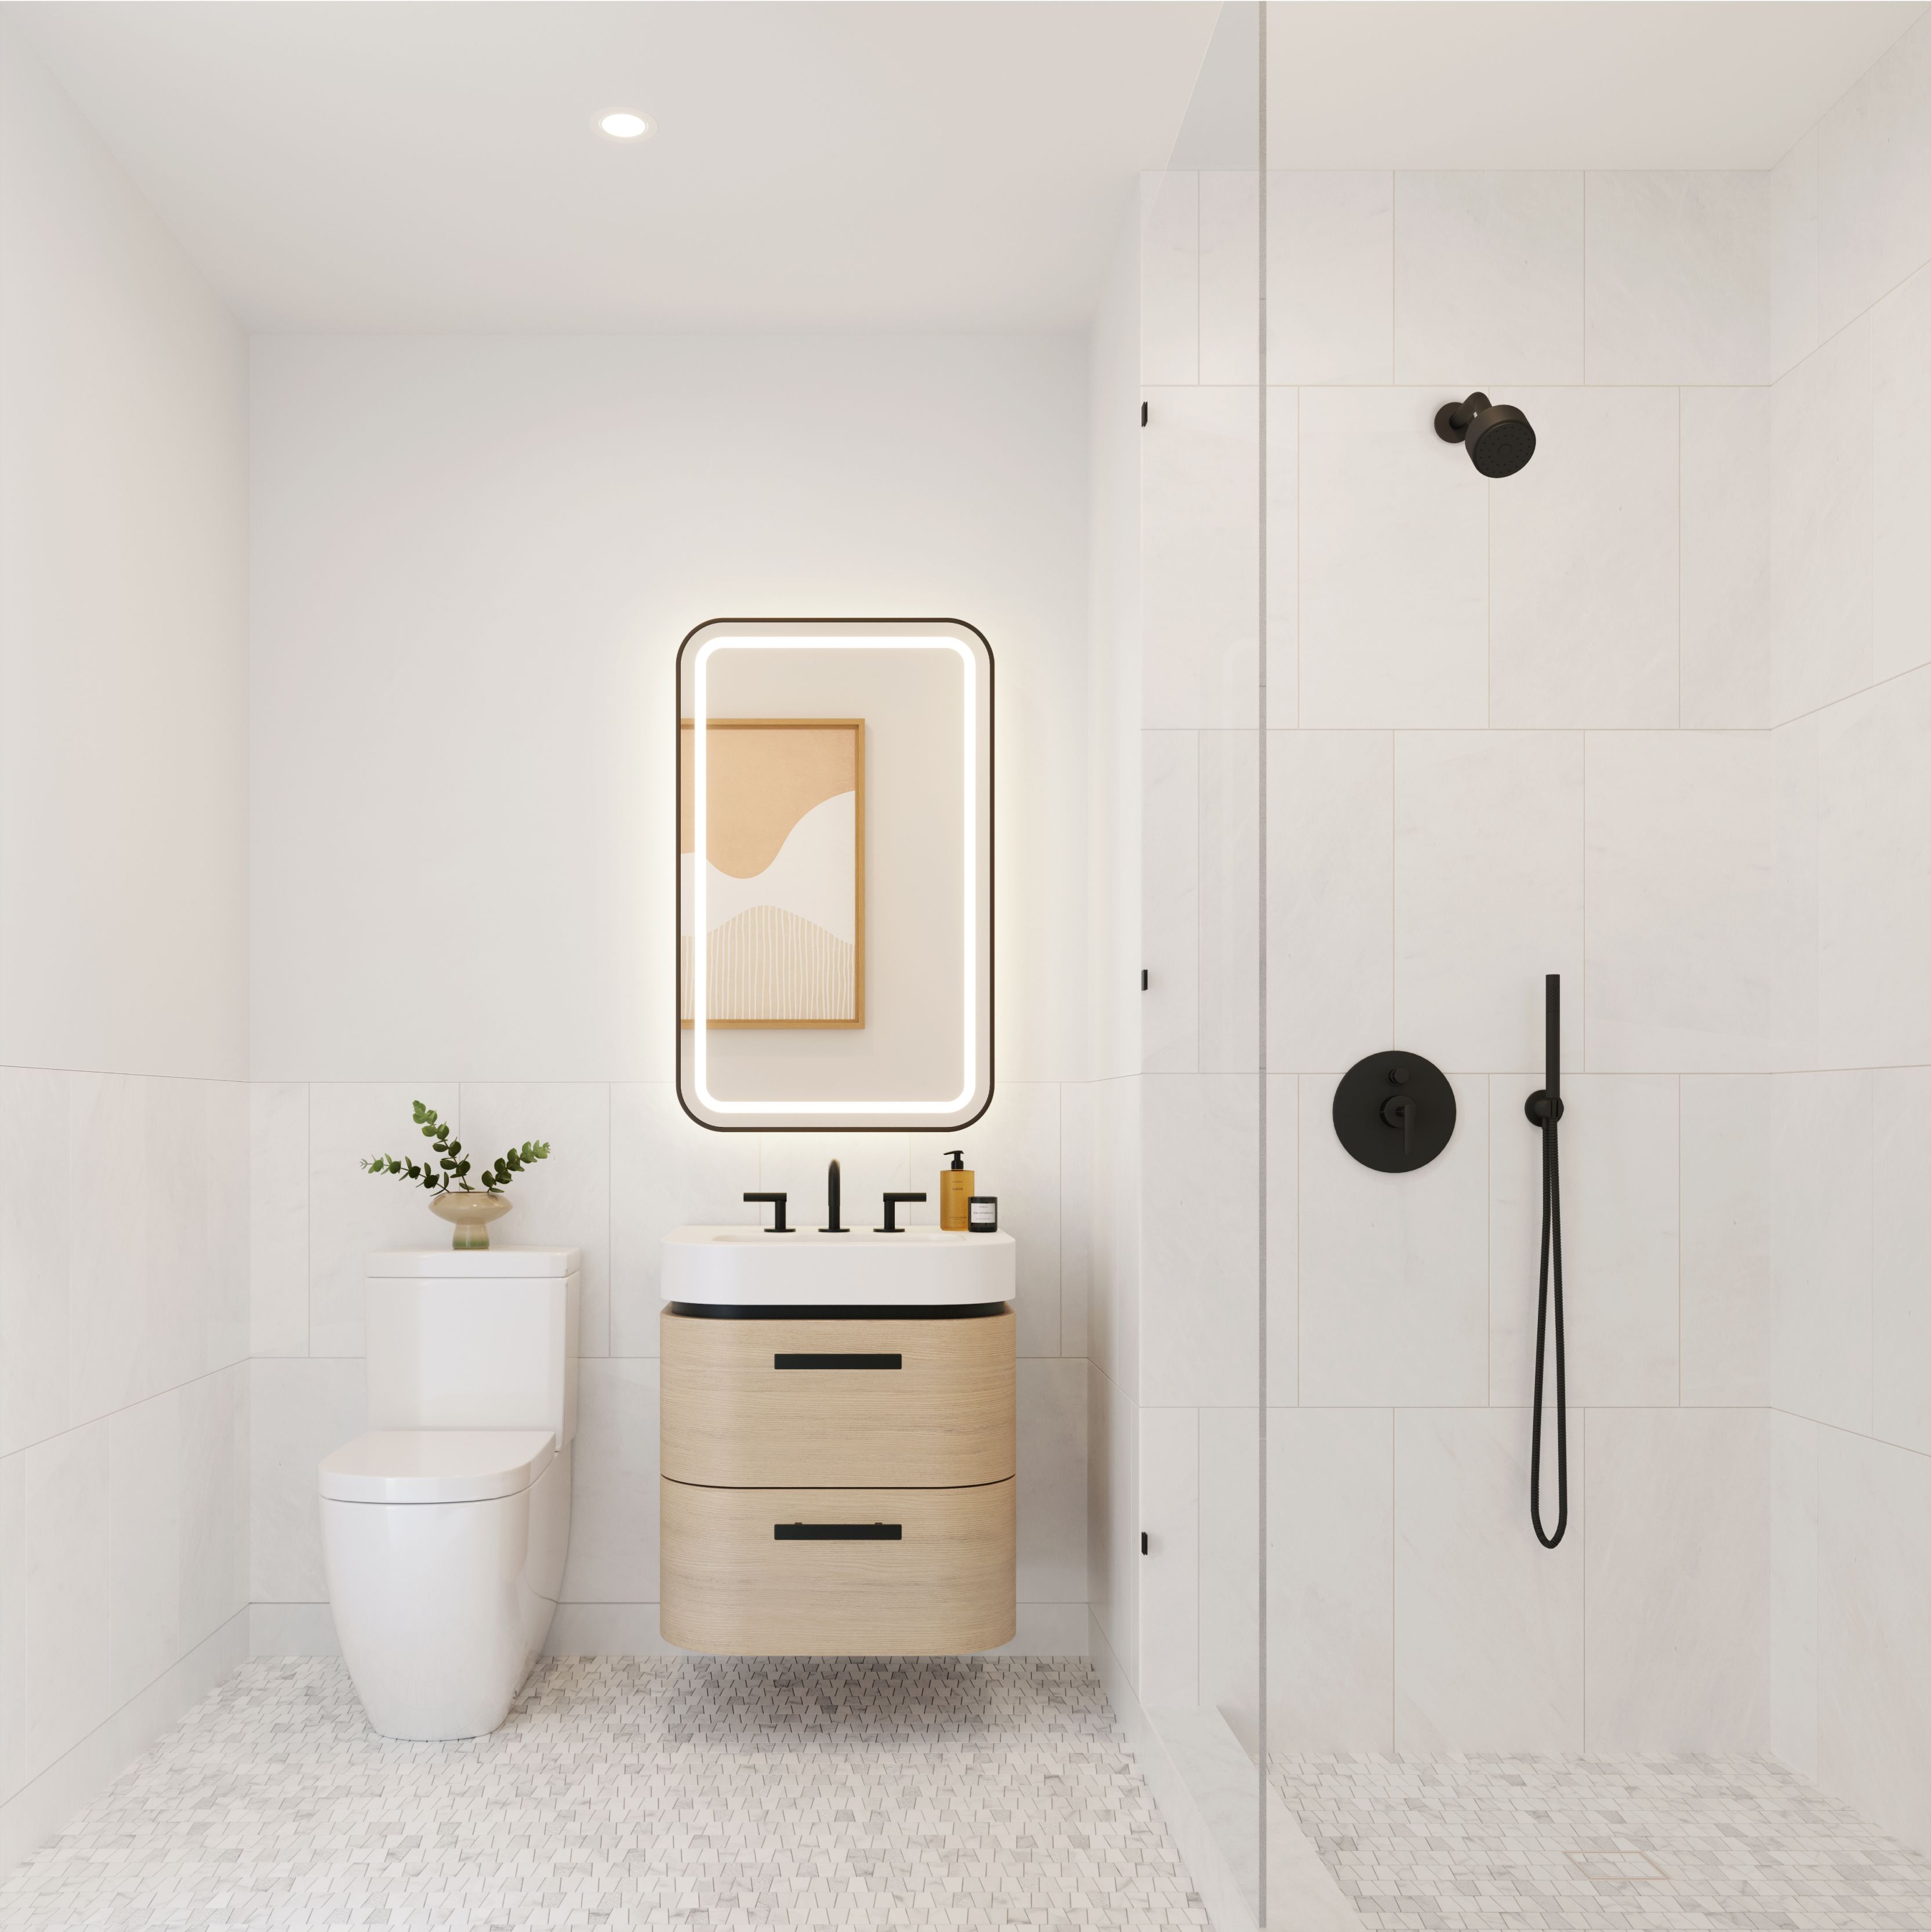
pixel 838 1487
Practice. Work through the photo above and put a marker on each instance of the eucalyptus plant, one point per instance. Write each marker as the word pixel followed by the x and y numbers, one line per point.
pixel 449 1169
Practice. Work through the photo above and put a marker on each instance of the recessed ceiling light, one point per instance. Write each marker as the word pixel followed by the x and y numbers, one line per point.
pixel 628 126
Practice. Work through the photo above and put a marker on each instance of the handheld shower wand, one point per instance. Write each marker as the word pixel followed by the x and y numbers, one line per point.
pixel 1544 1109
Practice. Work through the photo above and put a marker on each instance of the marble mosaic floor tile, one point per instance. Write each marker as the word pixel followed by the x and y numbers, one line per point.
pixel 1600 1844
pixel 702 1794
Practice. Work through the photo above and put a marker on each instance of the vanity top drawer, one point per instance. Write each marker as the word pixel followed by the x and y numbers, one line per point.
pixel 838 1404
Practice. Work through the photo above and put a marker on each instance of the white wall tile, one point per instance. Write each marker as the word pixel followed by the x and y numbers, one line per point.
pixel 1794 774
pixel 1901 1256
pixel 1331 276
pixel 1170 277
pixel 226 1195
pixel 1394 1267
pixel 1583 564
pixel 1078 1153
pixel 1119 1163
pixel 1679 277
pixel 1394 584
pixel 1901 478
pixel 68 1591
pixel 1618 1173
pixel 1489 842
pixel 1822 1248
pixel 1793 275
pixel 179 1260
pixel 1014 1153
pixel 1200 556
pixel 145 1495
pixel 1230 1568
pixel 108 1266
pixel 1229 901
pixel 1283 587
pixel 1169 1573
pixel 299 1411
pixel 1729 1155
pixel 213 1459
pixel 1489 1625
pixel 1821 523
pixel 1488 271
pixel 12 1623
pixel 1874 182
pixel 1283 1387
pixel 564 1201
pixel 352 1214
pixel 1874 877
pixel 666 1172
pixel 1793 1594
pixel 1169 937
pixel 1728 671
pixel 1330 898
pixel 1688 925
pixel 33 1247
pixel 1679 1557
pixel 278 1176
pixel 869 1165
pixel 1330 1579
pixel 1113 1513
pixel 1874 1631
pixel 614 1506
pixel 1200 1292
pixel 1052 1481
pixel 1230 276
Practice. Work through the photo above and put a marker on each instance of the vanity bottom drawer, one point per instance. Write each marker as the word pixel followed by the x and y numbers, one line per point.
pixel 837 1573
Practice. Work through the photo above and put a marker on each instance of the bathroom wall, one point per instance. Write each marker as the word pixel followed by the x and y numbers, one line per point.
pixel 1513 728
pixel 473 561
pixel 1851 584
pixel 124 1109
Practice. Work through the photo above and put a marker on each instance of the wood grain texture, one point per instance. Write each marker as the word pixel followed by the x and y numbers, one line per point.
pixel 731 1589
pixel 945 1420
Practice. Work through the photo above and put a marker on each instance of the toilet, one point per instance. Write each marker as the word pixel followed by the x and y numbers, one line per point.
pixel 444 1528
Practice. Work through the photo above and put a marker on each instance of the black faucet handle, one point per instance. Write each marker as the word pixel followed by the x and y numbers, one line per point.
pixel 892 1202
pixel 777 1201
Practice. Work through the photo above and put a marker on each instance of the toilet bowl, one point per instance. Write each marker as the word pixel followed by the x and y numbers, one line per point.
pixel 445 1529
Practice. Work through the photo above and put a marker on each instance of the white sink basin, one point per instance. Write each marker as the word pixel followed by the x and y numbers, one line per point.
pixel 918 1268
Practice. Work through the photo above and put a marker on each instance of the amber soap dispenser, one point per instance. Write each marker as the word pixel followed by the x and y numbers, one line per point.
pixel 955 1193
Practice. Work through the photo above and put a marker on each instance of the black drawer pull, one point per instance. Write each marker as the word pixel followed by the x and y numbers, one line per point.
pixel 839 1532
pixel 829 1361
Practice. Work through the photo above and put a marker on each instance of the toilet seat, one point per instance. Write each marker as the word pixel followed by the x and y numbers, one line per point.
pixel 437 1466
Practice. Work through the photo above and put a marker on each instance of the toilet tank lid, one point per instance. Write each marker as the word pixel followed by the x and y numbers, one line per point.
pixel 435 1465
pixel 491 1264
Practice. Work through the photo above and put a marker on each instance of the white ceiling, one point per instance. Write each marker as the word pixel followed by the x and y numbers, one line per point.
pixel 913 163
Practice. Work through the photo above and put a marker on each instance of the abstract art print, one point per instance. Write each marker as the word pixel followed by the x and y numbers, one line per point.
pixel 784 877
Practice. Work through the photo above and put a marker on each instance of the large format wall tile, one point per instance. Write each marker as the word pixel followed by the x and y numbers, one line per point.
pixel 1168 1595
pixel 1229 901
pixel 1679 1569
pixel 1230 275
pixel 1394 1267
pixel 1689 925
pixel 68 1592
pixel 1052 1481
pixel 1793 270
pixel 1200 518
pixel 145 1495
pixel 1679 277
pixel 1394 580
pixel 110 1353
pixel 299 1411
pixel 1170 277
pixel 1620 1186
pixel 1282 595
pixel 1230 1567
pixel 1793 1591
pixel 1901 478
pixel 1874 182
pixel 1114 1515
pixel 1729 1155
pixel 1199 1307
pixel 1330 1579
pixel 214 1511
pixel 1331 276
pixel 614 1475
pixel 564 1201
pixel 278 1218
pixel 1488 835
pixel 13 1622
pixel 1728 672
pixel 1283 1165
pixel 1583 564
pixel 1489 275
pixel 1330 898
pixel 34 1257
pixel 1489 1625
pixel 352 1214
pixel 1874 877
pixel 1901 1256
pixel 1874 1631
pixel 1169 937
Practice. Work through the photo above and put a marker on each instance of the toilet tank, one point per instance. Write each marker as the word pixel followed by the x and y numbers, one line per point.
pixel 474 1338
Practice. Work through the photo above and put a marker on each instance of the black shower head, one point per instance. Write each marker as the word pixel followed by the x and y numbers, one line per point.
pixel 1498 436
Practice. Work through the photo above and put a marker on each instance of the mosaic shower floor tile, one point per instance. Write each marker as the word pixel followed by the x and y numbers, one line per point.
pixel 697 1793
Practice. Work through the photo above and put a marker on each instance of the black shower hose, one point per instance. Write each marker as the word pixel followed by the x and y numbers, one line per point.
pixel 1545 1109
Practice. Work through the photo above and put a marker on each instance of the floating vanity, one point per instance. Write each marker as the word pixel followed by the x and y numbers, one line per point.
pixel 837 1442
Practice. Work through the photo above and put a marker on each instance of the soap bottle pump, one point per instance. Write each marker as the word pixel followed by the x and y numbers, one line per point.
pixel 955 1185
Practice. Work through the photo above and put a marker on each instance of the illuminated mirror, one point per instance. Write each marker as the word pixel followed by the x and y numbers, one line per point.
pixel 835 875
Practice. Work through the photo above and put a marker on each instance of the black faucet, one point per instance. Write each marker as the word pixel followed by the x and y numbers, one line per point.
pixel 832 1202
